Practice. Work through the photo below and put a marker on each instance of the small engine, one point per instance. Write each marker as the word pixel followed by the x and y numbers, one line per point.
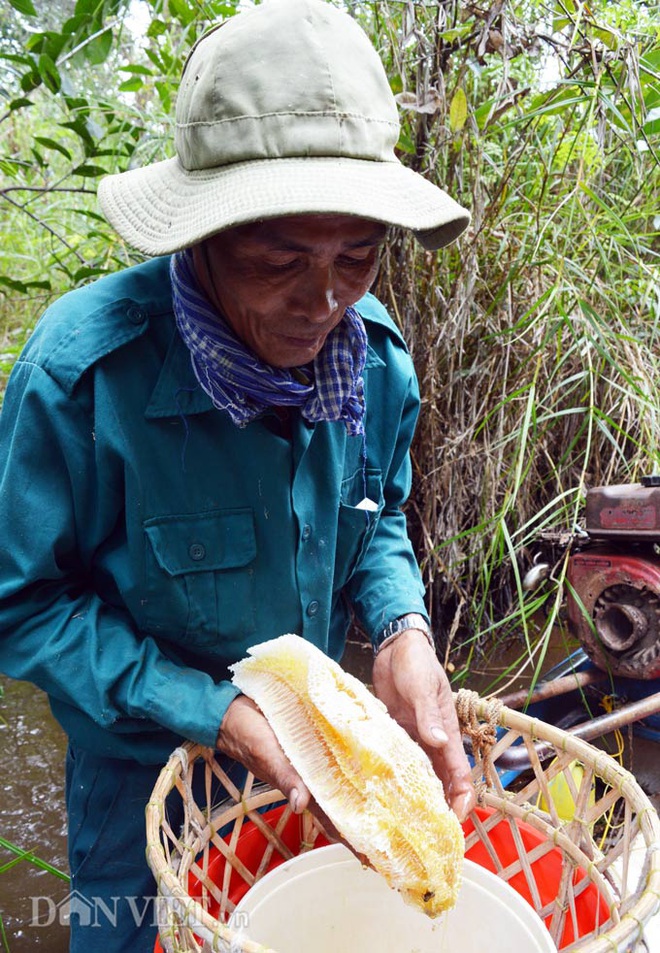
pixel 613 595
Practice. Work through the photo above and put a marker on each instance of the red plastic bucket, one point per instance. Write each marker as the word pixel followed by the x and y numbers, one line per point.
pixel 591 908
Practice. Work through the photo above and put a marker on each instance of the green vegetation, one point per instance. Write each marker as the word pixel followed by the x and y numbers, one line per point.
pixel 31 858
pixel 535 336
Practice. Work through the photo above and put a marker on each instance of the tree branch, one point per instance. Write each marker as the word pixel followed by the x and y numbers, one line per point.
pixel 51 231
pixel 45 190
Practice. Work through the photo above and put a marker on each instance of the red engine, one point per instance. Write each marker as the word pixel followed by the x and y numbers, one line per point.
pixel 614 592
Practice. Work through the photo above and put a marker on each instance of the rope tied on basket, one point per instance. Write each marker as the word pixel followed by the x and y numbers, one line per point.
pixel 482 734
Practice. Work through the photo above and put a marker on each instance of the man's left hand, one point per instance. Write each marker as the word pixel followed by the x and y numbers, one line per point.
pixel 409 680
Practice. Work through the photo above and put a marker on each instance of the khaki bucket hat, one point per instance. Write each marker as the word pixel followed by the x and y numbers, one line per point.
pixel 284 109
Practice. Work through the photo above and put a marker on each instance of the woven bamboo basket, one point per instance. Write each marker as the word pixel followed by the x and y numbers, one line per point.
pixel 594 877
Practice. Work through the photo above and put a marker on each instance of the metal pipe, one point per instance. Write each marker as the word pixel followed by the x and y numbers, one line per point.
pixel 552 688
pixel 516 758
pixel 620 626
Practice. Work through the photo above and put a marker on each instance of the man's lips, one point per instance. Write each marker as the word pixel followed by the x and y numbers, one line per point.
pixel 302 341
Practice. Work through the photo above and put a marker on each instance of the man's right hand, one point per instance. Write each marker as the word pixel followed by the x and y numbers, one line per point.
pixel 246 736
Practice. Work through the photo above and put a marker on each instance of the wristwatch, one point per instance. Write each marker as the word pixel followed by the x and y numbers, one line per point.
pixel 412 620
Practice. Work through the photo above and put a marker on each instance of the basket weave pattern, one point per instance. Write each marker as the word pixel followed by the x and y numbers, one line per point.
pixel 613 822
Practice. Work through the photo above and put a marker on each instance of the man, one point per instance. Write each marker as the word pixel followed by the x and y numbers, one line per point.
pixel 209 450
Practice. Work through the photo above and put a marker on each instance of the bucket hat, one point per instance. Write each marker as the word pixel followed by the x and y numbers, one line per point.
pixel 284 109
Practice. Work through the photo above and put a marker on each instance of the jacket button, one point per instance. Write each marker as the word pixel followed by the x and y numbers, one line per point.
pixel 306 531
pixel 136 315
pixel 197 552
pixel 312 608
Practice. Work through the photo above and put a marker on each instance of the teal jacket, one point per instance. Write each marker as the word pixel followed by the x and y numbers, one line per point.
pixel 147 542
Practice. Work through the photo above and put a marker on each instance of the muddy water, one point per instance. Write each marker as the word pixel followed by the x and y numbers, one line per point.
pixel 32 816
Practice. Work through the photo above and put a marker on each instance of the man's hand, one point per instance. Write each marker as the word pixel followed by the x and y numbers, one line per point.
pixel 246 736
pixel 410 681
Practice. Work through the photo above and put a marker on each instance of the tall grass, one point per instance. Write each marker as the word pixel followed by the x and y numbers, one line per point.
pixel 535 336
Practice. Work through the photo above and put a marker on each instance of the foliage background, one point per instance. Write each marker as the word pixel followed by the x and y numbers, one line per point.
pixel 534 336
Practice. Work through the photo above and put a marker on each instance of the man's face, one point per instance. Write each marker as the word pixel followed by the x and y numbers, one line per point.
pixel 284 284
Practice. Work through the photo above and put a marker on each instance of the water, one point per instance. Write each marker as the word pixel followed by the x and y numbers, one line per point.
pixel 32 816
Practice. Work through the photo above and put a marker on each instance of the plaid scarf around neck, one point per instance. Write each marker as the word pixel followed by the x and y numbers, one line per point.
pixel 238 381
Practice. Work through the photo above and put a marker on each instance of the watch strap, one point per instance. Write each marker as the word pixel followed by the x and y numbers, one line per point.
pixel 412 620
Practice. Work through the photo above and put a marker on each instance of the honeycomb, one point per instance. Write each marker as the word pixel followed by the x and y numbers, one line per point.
pixel 374 782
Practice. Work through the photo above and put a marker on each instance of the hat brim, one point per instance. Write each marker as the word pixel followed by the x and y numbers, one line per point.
pixel 162 208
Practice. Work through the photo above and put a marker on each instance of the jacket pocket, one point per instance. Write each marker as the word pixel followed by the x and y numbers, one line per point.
pixel 356 525
pixel 200 577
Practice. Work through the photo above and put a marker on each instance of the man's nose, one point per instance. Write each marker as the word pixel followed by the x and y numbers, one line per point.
pixel 320 300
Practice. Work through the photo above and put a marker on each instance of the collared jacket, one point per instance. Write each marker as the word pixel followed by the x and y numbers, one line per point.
pixel 146 541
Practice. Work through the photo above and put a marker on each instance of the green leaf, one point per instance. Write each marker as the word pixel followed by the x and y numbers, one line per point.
pixel 223 10
pixel 138 70
pixel 87 271
pixel 652 126
pixel 30 81
pixel 607 37
pixel 113 7
pixel 80 128
pixel 86 8
pixel 89 171
pixel 26 7
pixel 98 50
pixel 12 284
pixel 98 153
pixel 131 85
pixel 481 113
pixel 156 28
pixel 406 144
pixel 651 97
pixel 88 213
pixel 48 42
pixel 557 100
pixel 71 26
pixel 180 9
pixel 20 103
pixel 156 60
pixel 10 168
pixel 450 36
pixel 77 104
pixel 39 159
pixel 458 110
pixel 562 17
pixel 49 73
pixel 21 60
pixel 52 144
pixel 164 91
pixel 650 62
pixel 18 851
pixel 35 43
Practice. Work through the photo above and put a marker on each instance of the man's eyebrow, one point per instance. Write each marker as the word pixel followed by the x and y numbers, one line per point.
pixel 276 241
pixel 374 239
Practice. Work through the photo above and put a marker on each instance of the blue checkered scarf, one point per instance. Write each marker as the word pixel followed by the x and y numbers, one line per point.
pixel 237 380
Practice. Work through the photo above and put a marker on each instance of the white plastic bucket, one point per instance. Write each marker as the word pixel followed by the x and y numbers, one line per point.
pixel 324 901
